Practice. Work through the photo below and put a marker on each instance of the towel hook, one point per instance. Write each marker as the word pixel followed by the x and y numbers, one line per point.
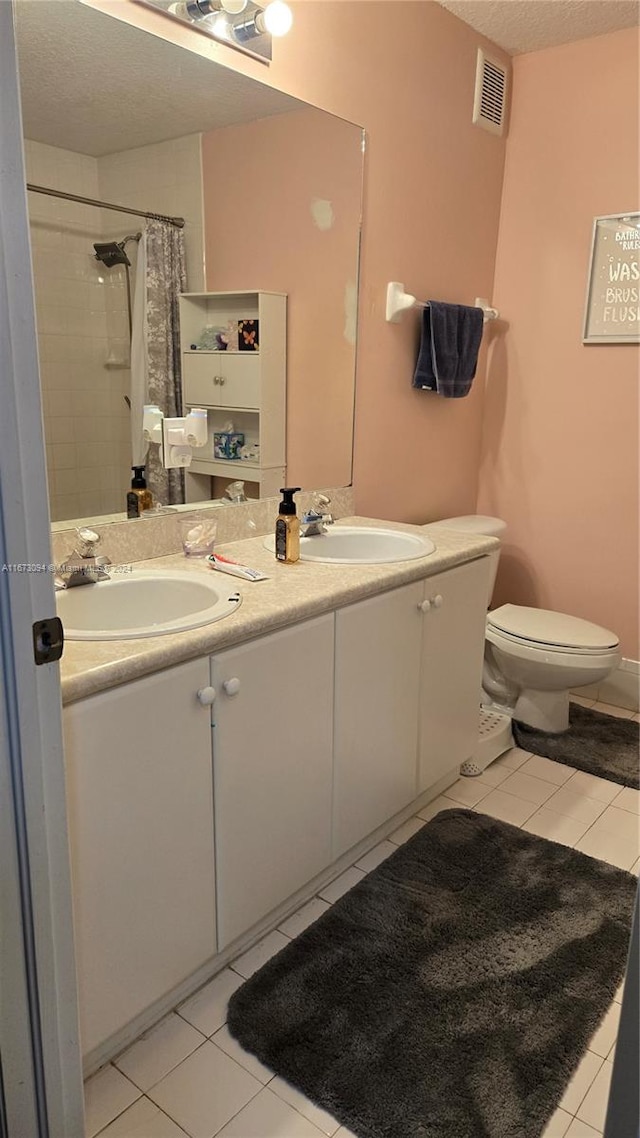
pixel 399 301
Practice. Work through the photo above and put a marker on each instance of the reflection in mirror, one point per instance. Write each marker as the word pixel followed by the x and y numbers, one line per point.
pixel 270 191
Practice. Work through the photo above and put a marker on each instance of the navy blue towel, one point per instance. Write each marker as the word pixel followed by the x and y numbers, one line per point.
pixel 449 345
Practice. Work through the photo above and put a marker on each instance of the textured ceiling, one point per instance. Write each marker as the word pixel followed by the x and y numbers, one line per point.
pixel 95 85
pixel 529 25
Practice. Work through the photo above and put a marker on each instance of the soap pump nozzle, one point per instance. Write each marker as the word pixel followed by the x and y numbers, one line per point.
pixel 287 505
pixel 138 482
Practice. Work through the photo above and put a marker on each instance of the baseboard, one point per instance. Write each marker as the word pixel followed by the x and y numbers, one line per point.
pixel 622 688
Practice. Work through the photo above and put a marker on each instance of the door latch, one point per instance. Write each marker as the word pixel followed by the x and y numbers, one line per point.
pixel 48 640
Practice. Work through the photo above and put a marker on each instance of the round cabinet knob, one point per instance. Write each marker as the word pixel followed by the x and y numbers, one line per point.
pixel 232 686
pixel 222 381
pixel 437 601
pixel 206 696
pixel 424 606
pixel 216 380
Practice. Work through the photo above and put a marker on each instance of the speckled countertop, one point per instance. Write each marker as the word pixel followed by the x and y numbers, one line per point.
pixel 293 593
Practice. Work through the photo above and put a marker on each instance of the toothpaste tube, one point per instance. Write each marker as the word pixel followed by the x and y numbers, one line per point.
pixel 225 565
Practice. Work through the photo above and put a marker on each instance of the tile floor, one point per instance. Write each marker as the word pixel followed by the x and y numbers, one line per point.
pixel 188 1077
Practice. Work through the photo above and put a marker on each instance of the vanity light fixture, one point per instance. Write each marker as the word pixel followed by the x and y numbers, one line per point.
pixel 242 24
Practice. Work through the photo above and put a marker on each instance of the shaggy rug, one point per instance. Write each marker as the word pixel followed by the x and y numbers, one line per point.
pixel 453 991
pixel 599 744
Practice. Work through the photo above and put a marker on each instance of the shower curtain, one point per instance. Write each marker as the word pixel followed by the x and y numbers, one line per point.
pixel 155 349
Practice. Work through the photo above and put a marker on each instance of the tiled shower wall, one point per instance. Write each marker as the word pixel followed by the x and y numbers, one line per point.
pixel 81 307
pixel 80 414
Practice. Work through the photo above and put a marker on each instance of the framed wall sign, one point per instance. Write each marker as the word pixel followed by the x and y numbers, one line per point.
pixel 612 311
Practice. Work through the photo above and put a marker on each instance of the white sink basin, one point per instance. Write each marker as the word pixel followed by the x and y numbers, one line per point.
pixel 149 602
pixel 361 545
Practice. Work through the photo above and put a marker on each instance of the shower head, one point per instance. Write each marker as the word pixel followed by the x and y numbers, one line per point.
pixel 111 253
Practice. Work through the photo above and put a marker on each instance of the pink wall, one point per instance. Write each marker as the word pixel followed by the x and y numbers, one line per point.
pixel 560 448
pixel 261 231
pixel 406 72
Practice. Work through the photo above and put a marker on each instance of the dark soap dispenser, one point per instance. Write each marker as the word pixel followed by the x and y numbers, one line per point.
pixel 288 528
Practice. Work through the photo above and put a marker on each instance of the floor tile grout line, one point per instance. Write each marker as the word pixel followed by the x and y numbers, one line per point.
pixel 114 1062
pixel 236 1113
pixel 97 1133
pixel 206 1039
pixel 165 1111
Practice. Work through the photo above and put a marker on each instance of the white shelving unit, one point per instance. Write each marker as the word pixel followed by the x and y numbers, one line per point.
pixel 247 388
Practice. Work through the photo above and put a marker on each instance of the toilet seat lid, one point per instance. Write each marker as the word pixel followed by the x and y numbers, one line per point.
pixel 541 626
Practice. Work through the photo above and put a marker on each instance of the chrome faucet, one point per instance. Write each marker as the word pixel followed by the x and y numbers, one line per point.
pixel 83 567
pixel 315 521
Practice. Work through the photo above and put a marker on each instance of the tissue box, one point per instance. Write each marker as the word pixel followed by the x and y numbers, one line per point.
pixel 227 444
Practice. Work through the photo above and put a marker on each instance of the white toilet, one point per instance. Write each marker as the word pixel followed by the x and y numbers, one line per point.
pixel 534 657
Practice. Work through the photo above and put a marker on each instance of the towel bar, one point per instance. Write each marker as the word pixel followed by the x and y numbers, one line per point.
pixel 398 301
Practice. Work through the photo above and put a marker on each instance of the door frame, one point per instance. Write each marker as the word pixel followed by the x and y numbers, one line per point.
pixel 41 1076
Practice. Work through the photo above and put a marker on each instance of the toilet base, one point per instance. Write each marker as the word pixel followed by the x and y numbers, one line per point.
pixel 544 710
pixel 494 738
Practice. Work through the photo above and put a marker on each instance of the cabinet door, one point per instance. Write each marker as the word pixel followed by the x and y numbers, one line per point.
pixel 222 379
pixel 139 789
pixel 376 712
pixel 272 770
pixel 451 676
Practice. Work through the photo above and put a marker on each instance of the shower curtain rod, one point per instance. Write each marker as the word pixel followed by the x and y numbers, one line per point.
pixel 177 221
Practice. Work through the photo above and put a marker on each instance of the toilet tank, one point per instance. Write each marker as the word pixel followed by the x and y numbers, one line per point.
pixel 488 527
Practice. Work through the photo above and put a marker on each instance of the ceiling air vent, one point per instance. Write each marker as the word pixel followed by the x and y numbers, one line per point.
pixel 490 101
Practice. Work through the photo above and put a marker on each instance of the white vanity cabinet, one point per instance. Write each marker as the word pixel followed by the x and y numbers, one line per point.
pixel 377 693
pixel 453 630
pixel 319 734
pixel 272 754
pixel 407 692
pixel 247 388
pixel 140 808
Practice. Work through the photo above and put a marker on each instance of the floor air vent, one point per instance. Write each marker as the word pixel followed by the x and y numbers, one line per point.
pixel 490 101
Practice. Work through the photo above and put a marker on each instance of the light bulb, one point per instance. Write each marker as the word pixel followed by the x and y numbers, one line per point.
pixel 233 7
pixel 277 18
pixel 218 23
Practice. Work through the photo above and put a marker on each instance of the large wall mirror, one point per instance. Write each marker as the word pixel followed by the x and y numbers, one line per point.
pixel 270 190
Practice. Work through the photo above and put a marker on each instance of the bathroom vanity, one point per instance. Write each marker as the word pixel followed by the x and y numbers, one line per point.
pixel 216 777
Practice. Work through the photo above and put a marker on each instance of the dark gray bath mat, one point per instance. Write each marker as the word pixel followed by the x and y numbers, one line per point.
pixel 599 744
pixel 452 992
